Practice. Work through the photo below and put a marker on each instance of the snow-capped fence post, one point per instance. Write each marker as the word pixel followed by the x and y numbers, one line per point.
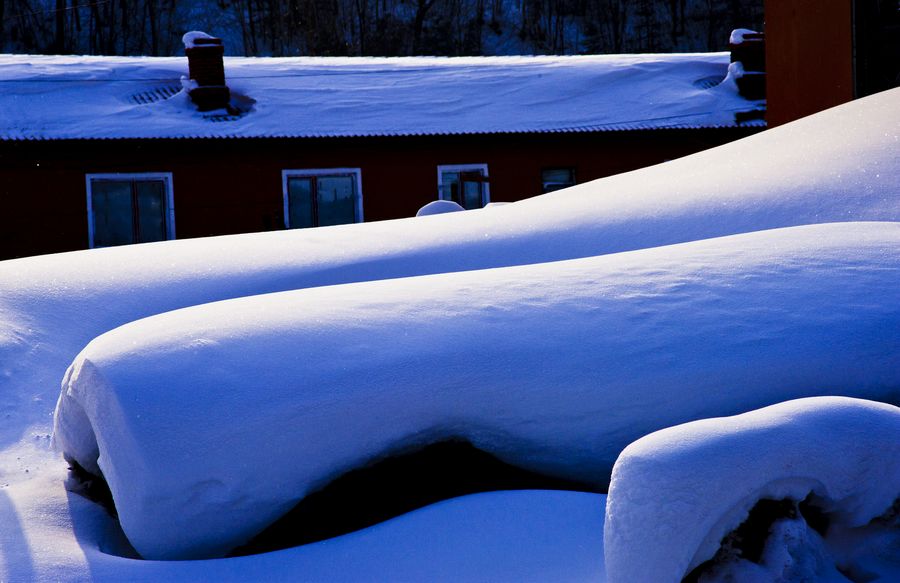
pixel 207 70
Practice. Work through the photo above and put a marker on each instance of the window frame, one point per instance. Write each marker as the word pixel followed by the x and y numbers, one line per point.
pixel 544 183
pixel 316 172
pixel 169 202
pixel 486 191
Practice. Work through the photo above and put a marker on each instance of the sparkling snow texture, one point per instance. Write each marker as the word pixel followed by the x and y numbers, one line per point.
pixel 255 402
pixel 676 493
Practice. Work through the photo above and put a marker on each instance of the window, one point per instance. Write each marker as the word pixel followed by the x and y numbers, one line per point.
pixel 317 198
pixel 129 208
pixel 465 184
pixel 557 179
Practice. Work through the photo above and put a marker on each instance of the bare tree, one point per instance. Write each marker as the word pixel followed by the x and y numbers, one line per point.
pixel 59 43
pixel 379 27
pixel 422 9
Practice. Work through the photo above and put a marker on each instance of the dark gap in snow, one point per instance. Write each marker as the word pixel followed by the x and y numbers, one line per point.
pixel 750 537
pixel 748 540
pixel 239 106
pixel 814 516
pixel 857 574
pixel 92 487
pixel 395 486
pixel 891 517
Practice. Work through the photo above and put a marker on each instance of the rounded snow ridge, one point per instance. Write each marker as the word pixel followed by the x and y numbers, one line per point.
pixel 439 207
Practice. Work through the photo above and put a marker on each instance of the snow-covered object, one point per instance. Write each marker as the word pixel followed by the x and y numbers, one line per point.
pixel 439 207
pixel 210 422
pixel 735 72
pixel 838 165
pixel 190 38
pixel 738 34
pixel 189 85
pixel 106 97
pixel 676 493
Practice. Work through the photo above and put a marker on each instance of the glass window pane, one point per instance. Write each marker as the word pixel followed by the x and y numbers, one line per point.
pixel 472 197
pixel 300 203
pixel 561 175
pixel 151 196
pixel 450 187
pixel 557 178
pixel 337 200
pixel 112 210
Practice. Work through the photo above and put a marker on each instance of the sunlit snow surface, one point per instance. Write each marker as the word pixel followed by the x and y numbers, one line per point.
pixel 840 165
pixel 255 402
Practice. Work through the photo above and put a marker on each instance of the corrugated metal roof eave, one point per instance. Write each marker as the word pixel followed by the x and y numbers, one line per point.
pixel 301 136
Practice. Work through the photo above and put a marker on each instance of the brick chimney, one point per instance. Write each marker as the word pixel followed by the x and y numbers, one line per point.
pixel 748 48
pixel 206 70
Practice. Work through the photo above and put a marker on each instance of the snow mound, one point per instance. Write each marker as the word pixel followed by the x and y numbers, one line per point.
pixel 438 207
pixel 839 165
pixel 677 493
pixel 254 403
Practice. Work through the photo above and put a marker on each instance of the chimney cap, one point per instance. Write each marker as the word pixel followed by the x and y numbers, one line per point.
pixel 199 38
pixel 741 35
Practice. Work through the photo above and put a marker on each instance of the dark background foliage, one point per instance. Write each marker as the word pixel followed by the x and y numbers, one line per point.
pixel 375 27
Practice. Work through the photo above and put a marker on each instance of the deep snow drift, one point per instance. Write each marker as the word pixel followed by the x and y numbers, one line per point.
pixel 839 165
pixel 255 402
pixel 675 494
pixel 836 166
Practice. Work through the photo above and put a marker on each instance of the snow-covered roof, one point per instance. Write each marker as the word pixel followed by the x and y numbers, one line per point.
pixel 75 97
